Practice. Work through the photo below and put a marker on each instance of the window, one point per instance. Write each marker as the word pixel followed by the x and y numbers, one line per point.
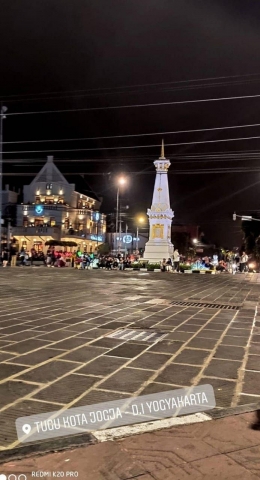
pixel 52 221
pixel 25 222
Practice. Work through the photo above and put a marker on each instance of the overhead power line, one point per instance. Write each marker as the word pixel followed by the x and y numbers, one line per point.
pixel 118 107
pixel 100 89
pixel 135 135
pixel 134 147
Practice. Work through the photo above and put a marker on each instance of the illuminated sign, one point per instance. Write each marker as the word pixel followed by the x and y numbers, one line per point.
pixel 39 209
pixel 127 238
pixel 96 237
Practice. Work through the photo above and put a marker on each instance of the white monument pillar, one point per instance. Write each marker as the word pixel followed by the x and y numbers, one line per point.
pixel 160 215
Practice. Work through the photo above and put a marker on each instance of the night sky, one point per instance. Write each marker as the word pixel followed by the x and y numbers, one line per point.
pixel 81 54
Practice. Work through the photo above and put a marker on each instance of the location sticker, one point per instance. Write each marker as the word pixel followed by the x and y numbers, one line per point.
pixel 26 428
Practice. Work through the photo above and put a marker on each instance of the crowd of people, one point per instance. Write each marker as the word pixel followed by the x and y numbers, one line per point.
pixel 231 263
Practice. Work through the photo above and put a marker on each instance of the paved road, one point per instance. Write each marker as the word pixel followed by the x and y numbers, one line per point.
pixel 55 348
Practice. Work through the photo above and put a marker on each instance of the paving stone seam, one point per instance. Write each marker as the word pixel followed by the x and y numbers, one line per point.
pixel 241 371
pixel 199 377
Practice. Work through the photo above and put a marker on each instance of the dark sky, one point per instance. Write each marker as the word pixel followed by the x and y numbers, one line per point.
pixel 64 54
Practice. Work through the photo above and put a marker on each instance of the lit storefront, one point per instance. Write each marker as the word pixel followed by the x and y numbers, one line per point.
pixel 54 210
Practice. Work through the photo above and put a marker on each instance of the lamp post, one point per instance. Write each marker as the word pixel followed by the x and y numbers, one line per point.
pixel 121 181
pixel 140 220
pixel 2 116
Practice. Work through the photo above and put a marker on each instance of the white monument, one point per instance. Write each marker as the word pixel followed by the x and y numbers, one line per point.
pixel 160 215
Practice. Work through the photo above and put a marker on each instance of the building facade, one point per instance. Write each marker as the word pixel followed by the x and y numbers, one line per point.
pixel 53 209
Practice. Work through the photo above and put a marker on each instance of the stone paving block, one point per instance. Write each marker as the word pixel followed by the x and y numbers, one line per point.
pixel 11 330
pixel 66 389
pixel 206 333
pixel 84 354
pixel 8 370
pixel 203 343
pixel 192 357
pixel 71 343
pixel 4 357
pixel 11 391
pixel 81 327
pixel 238 341
pixel 106 342
pixel 96 396
pixel 128 380
pixel 95 333
pixel 234 353
pixel 35 358
pixel 128 350
pixel 255 339
pixel 188 328
pixel 166 347
pixel 150 361
pixel 54 336
pixel 223 368
pixel 239 332
pixel 247 399
pixel 49 372
pixel 182 336
pixel 102 366
pixel 178 374
pixel 251 383
pixel 216 326
pixel 22 409
pixel 25 335
pixel 155 387
pixel 224 390
pixel 254 349
pixel 253 363
pixel 26 346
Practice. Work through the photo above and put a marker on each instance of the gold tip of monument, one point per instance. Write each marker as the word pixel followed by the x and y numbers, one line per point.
pixel 162 157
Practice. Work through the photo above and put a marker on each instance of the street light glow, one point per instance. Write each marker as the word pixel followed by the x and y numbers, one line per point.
pixel 121 181
pixel 195 240
pixel 141 219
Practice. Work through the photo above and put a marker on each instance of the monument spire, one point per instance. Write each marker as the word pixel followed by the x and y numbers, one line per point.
pixel 160 214
pixel 162 157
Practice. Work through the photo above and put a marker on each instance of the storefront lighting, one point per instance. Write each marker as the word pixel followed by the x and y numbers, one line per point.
pixel 38 192
pixel 61 192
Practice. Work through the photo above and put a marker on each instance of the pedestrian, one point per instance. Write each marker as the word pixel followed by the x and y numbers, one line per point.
pixel 243 262
pixel 5 257
pixel 169 265
pixel 13 256
pixel 176 260
pixel 163 265
pixel 22 256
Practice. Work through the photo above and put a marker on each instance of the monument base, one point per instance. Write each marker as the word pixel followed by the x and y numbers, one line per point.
pixel 156 251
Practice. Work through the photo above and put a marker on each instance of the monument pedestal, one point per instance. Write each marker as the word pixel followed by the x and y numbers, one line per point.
pixel 160 215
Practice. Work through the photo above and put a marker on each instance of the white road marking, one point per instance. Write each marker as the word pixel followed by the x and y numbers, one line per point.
pixel 137 429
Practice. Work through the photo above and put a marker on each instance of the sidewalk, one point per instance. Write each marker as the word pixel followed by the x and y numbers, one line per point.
pixel 223 449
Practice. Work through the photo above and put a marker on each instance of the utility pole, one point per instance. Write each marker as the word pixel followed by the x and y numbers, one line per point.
pixel 2 116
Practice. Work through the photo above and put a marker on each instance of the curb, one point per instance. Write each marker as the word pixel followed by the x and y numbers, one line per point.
pixel 86 439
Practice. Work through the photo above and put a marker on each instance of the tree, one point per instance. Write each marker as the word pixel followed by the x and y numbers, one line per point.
pixel 103 249
pixel 251 231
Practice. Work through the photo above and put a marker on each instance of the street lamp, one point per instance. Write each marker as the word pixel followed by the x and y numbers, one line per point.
pixel 139 220
pixel 195 240
pixel 121 181
pixel 3 110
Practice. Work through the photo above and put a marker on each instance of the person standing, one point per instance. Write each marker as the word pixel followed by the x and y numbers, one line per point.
pixel 13 256
pixel 5 257
pixel 176 260
pixel 243 262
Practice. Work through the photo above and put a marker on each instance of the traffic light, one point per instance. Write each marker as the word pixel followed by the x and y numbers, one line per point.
pixel 234 216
